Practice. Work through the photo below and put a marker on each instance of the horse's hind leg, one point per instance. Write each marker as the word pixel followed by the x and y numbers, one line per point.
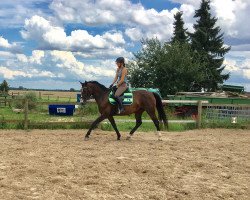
pixel 138 123
pixel 112 121
pixel 152 115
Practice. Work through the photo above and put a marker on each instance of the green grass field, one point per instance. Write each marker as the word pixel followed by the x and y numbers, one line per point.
pixel 39 118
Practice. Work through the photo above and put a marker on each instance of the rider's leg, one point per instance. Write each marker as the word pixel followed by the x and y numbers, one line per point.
pixel 117 95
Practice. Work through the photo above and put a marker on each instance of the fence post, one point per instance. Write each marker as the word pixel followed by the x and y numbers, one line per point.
pixel 26 110
pixel 5 101
pixel 199 114
pixel 40 95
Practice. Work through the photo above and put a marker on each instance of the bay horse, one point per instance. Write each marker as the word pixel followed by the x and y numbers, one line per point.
pixel 142 101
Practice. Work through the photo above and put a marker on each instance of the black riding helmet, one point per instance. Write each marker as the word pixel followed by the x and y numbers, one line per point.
pixel 120 60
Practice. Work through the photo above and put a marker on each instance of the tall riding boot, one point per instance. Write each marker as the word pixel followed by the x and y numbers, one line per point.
pixel 120 106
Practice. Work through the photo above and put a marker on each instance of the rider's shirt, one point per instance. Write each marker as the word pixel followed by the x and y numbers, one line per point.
pixel 119 75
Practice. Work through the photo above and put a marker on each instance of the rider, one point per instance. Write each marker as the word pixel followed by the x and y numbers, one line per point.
pixel 121 82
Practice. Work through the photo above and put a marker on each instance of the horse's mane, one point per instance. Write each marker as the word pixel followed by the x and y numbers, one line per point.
pixel 99 84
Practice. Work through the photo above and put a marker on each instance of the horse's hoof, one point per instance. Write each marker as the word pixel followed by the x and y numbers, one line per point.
pixel 86 138
pixel 118 139
pixel 128 137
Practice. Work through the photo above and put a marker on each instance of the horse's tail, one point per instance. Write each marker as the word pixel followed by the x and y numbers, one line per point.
pixel 160 109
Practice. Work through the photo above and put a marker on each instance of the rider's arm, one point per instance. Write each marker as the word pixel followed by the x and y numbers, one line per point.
pixel 124 73
pixel 116 77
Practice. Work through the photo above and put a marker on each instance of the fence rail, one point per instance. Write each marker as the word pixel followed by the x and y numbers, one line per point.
pixel 26 121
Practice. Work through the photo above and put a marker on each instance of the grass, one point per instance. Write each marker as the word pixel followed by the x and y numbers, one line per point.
pixel 146 127
pixel 40 119
pixel 87 112
pixel 226 123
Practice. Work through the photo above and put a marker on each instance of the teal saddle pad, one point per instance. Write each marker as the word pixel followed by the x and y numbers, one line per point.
pixel 128 95
pixel 127 98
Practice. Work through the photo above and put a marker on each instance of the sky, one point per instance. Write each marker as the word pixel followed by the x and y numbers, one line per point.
pixel 53 44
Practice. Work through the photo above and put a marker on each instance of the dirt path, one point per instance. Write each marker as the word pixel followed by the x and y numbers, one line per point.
pixel 58 164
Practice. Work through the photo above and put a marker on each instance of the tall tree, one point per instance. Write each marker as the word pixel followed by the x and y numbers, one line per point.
pixel 207 41
pixel 4 86
pixel 169 67
pixel 143 70
pixel 180 33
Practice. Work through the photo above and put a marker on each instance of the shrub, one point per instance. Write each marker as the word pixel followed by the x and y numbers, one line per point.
pixel 32 100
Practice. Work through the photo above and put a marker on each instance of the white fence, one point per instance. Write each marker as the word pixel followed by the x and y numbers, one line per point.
pixel 197 121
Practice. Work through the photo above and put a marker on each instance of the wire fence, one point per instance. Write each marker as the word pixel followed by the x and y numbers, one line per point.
pixel 222 112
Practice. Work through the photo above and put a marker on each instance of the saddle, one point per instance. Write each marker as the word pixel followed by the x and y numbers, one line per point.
pixel 127 97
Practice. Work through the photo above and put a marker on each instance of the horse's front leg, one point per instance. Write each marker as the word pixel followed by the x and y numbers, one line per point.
pixel 112 121
pixel 93 125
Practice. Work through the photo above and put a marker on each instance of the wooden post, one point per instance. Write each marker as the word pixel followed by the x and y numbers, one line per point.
pixel 57 98
pixel 26 110
pixel 5 101
pixel 199 114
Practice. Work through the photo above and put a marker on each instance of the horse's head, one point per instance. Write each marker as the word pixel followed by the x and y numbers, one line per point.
pixel 86 92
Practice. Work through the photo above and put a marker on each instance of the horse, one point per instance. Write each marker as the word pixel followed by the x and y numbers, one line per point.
pixel 142 101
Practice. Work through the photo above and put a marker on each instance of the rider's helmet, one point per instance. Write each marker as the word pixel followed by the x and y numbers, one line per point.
pixel 120 60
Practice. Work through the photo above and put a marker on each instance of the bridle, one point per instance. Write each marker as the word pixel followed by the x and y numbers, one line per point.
pixel 85 94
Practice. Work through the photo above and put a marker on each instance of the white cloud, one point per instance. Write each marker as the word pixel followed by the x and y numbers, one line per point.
pixel 53 37
pixel 231 14
pixel 238 67
pixel 134 34
pixel 14 12
pixel 6 55
pixel 4 43
pixel 68 61
pixel 36 57
pixel 57 65
pixel 8 73
pixel 148 22
pixel 109 53
pixel 13 47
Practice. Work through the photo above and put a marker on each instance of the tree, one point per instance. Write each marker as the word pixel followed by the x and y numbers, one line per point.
pixel 169 67
pixel 180 34
pixel 142 72
pixel 207 42
pixel 72 90
pixel 4 86
pixel 179 69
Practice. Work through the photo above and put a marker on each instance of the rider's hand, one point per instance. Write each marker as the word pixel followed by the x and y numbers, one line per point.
pixel 110 86
pixel 114 87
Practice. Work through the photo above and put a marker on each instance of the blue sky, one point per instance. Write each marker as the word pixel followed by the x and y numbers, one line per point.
pixel 52 44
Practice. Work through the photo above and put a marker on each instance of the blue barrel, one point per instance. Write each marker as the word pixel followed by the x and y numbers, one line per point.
pixel 78 98
pixel 62 110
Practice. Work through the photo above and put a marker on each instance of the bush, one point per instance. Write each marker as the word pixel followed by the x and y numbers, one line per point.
pixel 88 109
pixel 32 100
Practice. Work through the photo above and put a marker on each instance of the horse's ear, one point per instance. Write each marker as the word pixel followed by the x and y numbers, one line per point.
pixel 81 83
